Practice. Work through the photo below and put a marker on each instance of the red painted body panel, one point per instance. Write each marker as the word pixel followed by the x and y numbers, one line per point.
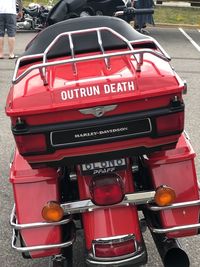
pixel 108 222
pixel 65 94
pixel 32 190
pixel 61 115
pixel 30 96
pixel 102 148
pixel 176 169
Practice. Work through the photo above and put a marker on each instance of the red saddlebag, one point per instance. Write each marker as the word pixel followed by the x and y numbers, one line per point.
pixel 87 106
pixel 175 168
pixel 32 190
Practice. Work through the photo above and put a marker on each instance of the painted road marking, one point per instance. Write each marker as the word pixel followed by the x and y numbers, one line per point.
pixel 190 39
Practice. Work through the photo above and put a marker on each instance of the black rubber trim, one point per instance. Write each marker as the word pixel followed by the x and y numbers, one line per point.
pixel 24 129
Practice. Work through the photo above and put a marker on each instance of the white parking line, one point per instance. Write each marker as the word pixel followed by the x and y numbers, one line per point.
pixel 190 39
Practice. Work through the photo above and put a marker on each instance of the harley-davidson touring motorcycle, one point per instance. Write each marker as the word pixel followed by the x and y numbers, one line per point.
pixel 66 9
pixel 33 17
pixel 97 114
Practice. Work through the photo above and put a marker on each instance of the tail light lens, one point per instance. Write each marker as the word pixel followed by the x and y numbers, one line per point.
pixel 170 123
pixel 107 190
pixel 114 249
pixel 31 143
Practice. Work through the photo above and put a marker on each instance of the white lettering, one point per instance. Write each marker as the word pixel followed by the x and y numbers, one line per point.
pixel 112 88
pixel 119 87
pixel 63 95
pixel 83 92
pixel 131 86
pixel 106 89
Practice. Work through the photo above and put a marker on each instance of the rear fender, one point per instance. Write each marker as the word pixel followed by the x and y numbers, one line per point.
pixel 109 222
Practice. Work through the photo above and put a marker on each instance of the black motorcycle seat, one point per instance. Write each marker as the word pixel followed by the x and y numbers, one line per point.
pixel 83 42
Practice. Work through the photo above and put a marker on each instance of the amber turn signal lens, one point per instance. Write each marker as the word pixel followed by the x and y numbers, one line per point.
pixel 52 212
pixel 164 196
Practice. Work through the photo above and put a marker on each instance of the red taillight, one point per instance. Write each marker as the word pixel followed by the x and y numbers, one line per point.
pixel 170 123
pixel 107 190
pixel 31 143
pixel 114 249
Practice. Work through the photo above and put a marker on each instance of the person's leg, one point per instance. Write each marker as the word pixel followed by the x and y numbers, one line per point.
pixel 1 47
pixel 11 31
pixel 2 32
pixel 11 46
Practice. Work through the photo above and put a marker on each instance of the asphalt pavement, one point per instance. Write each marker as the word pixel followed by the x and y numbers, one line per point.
pixel 184 48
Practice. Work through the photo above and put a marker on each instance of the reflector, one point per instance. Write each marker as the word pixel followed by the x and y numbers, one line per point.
pixel 31 143
pixel 114 249
pixel 170 123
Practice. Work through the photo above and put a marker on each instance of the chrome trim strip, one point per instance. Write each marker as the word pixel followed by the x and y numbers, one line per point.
pixel 88 205
pixel 112 240
pixel 123 262
pixel 41 247
pixel 174 229
pixel 175 205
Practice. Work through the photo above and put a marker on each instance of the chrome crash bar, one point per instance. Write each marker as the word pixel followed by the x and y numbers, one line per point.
pixel 16 227
pixel 15 239
pixel 138 54
pixel 155 208
pixel 71 208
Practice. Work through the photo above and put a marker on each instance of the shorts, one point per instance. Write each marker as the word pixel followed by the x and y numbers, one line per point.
pixel 8 23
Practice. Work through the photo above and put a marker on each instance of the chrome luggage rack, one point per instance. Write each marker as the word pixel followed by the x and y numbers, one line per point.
pixel 137 54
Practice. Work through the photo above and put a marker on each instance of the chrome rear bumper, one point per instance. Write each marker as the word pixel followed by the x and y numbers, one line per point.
pixel 76 207
pixel 71 208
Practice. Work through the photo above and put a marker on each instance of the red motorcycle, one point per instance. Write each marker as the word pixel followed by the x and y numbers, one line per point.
pixel 97 114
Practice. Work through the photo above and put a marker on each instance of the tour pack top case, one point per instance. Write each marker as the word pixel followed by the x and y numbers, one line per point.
pixel 93 87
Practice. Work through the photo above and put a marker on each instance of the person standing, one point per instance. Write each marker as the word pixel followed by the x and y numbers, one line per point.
pixel 8 23
pixel 143 19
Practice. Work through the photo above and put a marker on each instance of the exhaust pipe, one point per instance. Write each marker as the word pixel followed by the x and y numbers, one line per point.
pixel 171 252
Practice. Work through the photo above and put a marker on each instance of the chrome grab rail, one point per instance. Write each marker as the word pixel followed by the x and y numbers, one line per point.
pixel 73 60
